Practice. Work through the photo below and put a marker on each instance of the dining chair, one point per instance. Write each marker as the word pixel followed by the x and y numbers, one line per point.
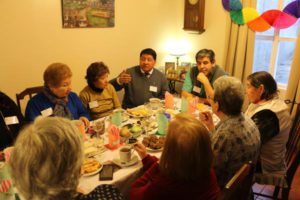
pixel 27 92
pixel 239 186
pixel 292 159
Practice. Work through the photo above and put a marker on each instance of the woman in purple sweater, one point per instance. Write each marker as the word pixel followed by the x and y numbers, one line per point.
pixel 185 168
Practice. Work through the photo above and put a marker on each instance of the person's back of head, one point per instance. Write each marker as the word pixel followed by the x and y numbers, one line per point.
pixel 187 154
pixel 46 159
pixel 229 93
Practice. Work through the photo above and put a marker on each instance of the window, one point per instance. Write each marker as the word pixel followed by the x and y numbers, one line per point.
pixel 274 49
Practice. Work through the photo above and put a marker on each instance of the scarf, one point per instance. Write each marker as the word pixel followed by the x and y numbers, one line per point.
pixel 60 104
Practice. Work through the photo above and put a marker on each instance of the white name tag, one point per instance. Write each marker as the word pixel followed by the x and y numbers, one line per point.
pixel 153 88
pixel 47 112
pixel 11 120
pixel 93 104
pixel 196 89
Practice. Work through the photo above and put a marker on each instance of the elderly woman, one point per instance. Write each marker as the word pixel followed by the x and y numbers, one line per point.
pixel 46 161
pixel 57 99
pixel 235 140
pixel 185 168
pixel 262 93
pixel 99 96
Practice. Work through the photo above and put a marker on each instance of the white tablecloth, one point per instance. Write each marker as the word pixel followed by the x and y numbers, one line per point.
pixel 124 177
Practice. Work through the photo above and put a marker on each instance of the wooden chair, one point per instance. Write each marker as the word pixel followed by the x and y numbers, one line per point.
pixel 28 91
pixel 292 160
pixel 239 186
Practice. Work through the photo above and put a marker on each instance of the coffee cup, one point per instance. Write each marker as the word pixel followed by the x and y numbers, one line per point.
pixel 125 154
pixel 154 103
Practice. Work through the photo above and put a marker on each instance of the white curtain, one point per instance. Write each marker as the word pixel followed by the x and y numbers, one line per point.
pixel 293 89
pixel 240 49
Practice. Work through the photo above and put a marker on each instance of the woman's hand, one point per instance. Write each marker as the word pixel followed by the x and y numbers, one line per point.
pixel 207 119
pixel 85 121
pixel 140 149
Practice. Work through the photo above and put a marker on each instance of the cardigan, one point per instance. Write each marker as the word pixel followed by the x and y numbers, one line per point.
pixel 107 100
pixel 191 80
pixel 8 133
pixel 154 185
pixel 141 88
pixel 272 153
pixel 40 102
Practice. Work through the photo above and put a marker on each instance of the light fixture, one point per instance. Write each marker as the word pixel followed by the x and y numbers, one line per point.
pixel 177 48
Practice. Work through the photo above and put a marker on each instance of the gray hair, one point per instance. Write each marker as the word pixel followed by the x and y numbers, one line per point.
pixel 229 93
pixel 47 158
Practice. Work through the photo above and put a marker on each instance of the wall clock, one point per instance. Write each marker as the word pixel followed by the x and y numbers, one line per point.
pixel 194 15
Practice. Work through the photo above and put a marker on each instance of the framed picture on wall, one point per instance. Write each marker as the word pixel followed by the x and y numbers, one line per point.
pixel 88 13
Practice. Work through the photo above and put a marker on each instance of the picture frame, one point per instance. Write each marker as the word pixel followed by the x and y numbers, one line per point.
pixel 88 13
pixel 182 71
pixel 169 67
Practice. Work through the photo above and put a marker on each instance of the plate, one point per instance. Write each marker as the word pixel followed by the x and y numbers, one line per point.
pixel 153 140
pixel 118 162
pixel 130 132
pixel 139 112
pixel 93 173
pixel 154 150
pixel 91 163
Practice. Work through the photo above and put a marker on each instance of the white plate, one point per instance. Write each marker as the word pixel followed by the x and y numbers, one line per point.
pixel 140 116
pixel 94 172
pixel 133 161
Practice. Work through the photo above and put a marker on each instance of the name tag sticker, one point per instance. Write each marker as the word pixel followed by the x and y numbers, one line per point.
pixel 196 89
pixel 47 112
pixel 11 120
pixel 153 88
pixel 93 104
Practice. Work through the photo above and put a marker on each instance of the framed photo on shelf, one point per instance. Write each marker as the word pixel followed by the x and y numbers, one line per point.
pixel 186 64
pixel 169 67
pixel 170 70
pixel 182 70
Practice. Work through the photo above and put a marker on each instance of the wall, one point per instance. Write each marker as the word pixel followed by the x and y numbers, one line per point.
pixel 32 37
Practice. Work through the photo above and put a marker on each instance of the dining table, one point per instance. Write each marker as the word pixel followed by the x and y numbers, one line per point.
pixel 124 177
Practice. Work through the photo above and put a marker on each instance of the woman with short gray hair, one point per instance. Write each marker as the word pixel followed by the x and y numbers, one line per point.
pixel 229 92
pixel 46 161
pixel 235 139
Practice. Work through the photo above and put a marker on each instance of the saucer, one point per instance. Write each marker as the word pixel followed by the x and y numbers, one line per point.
pixel 118 162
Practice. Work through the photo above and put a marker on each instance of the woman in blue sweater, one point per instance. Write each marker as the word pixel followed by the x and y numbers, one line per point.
pixel 57 99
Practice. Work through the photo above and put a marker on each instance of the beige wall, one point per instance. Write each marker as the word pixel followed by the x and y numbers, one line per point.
pixel 32 37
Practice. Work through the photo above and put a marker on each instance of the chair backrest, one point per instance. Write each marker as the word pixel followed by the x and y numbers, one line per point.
pixel 28 91
pixel 293 148
pixel 239 186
